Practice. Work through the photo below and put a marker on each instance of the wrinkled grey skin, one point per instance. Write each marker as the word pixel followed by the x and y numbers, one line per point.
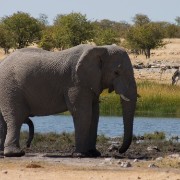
pixel 34 82
pixel 3 131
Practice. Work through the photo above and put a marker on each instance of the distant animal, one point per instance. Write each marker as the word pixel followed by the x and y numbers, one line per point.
pixel 176 77
pixel 162 70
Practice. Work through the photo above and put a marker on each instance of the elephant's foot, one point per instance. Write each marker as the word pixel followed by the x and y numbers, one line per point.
pixel 13 152
pixel 91 154
pixel 2 150
pixel 1 153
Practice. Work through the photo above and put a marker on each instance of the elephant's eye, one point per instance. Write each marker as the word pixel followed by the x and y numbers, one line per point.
pixel 116 73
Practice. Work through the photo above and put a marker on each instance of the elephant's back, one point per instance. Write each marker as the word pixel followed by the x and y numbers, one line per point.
pixel 20 65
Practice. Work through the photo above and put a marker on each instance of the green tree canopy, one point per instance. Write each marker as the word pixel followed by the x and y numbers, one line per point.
pixel 72 30
pixel 47 41
pixel 24 28
pixel 105 36
pixel 145 37
pixel 6 40
pixel 140 19
pixel 177 19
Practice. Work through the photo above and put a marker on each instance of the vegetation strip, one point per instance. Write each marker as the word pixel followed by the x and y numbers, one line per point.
pixel 156 99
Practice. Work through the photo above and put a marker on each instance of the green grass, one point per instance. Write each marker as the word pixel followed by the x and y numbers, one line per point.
pixel 50 142
pixel 155 136
pixel 159 100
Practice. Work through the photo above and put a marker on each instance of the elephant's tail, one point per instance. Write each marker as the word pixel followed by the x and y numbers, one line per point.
pixel 31 132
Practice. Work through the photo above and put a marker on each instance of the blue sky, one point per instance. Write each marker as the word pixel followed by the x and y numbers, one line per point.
pixel 117 10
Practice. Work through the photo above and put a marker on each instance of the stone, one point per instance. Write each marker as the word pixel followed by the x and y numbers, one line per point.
pixel 113 147
pixel 126 164
pixel 174 156
pixel 135 160
pixel 159 159
pixel 108 159
pixel 152 166
pixel 4 172
pixel 151 148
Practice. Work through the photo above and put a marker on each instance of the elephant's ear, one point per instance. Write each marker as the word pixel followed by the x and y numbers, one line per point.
pixel 89 68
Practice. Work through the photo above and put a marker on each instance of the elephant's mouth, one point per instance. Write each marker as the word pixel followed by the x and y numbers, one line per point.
pixel 119 89
pixel 110 89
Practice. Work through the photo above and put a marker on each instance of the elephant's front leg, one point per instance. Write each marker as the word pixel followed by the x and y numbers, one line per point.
pixel 80 105
pixel 94 128
pixel 3 131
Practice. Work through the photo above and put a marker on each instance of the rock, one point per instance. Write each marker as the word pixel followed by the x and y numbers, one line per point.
pixel 135 160
pixel 152 166
pixel 108 159
pixel 126 164
pixel 159 159
pixel 113 147
pixel 151 148
pixel 4 171
pixel 174 156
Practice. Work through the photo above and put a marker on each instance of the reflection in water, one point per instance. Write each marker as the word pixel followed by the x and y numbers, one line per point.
pixel 109 126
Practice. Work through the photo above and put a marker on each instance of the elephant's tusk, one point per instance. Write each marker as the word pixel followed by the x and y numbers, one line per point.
pixel 124 98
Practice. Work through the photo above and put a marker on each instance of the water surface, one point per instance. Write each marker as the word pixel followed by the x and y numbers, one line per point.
pixel 108 125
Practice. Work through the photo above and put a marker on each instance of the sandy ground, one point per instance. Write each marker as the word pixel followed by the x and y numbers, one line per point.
pixel 41 168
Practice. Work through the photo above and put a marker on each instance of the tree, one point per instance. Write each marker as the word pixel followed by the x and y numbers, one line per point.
pixel 178 20
pixel 43 18
pixel 119 28
pixel 105 36
pixel 140 19
pixel 24 28
pixel 171 31
pixel 72 30
pixel 47 41
pixel 145 37
pixel 6 40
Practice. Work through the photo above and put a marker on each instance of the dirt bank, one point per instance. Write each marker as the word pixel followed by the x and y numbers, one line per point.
pixel 37 167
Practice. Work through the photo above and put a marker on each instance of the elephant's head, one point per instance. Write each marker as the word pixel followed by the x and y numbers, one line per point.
pixel 110 67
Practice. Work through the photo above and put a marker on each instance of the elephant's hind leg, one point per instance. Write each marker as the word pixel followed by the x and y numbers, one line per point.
pixel 14 120
pixel 12 147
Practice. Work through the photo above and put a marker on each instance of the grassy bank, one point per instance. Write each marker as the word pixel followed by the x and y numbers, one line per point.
pixel 63 145
pixel 159 100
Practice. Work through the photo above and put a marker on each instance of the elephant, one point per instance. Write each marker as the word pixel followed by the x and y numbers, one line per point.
pixel 35 82
pixel 3 131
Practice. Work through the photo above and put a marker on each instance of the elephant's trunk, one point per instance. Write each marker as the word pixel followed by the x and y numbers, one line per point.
pixel 126 88
pixel 128 117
